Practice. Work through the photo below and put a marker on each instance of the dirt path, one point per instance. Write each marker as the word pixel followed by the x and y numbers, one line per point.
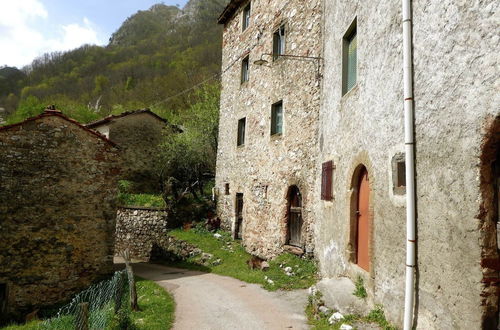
pixel 209 301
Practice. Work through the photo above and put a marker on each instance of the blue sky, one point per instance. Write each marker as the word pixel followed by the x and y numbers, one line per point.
pixel 29 28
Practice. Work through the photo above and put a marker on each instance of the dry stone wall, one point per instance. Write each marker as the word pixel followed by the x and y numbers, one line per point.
pixel 137 229
pixel 266 166
pixel 58 190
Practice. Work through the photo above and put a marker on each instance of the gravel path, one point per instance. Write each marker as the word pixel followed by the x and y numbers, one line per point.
pixel 209 301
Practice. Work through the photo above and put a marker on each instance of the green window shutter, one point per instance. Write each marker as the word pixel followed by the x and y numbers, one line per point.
pixel 352 62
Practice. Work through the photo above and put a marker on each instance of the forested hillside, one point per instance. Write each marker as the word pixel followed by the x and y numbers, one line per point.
pixel 154 55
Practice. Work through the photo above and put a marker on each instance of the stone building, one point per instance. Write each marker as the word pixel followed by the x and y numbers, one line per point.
pixel 266 162
pixel 58 190
pixel 345 151
pixel 138 134
pixel 361 223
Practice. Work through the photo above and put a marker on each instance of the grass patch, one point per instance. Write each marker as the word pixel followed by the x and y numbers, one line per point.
pixel 157 307
pixel 319 321
pixel 233 262
pixel 360 290
pixel 144 200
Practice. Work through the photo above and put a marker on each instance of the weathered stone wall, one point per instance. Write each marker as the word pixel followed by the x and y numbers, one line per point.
pixel 138 229
pixel 266 166
pixel 456 91
pixel 138 135
pixel 58 189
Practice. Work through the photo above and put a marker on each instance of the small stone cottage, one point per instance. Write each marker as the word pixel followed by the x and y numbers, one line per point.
pixel 58 190
pixel 138 133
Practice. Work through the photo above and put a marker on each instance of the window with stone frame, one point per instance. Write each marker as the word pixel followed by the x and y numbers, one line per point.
pixel 226 189
pixel 241 131
pixel 277 118
pixel 246 17
pixel 279 42
pixel 245 69
pixel 349 58
pixel 398 174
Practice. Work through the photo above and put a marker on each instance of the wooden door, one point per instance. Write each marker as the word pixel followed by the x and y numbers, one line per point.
pixel 363 222
pixel 239 216
pixel 294 217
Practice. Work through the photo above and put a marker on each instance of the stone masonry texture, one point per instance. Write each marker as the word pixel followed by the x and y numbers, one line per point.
pixel 456 91
pixel 266 166
pixel 138 134
pixel 58 189
pixel 137 229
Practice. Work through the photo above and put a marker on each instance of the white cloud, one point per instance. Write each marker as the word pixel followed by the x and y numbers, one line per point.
pixel 20 37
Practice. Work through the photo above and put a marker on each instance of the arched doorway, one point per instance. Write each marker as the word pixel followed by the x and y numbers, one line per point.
pixel 489 226
pixel 294 217
pixel 363 225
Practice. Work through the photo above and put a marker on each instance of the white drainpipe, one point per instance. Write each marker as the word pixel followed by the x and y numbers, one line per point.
pixel 410 164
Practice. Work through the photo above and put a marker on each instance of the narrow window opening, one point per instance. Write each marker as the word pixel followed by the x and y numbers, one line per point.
pixel 401 169
pixel 326 181
pixel 246 17
pixel 245 70
pixel 349 58
pixel 241 131
pixel 226 189
pixel 3 298
pixel 279 42
pixel 277 118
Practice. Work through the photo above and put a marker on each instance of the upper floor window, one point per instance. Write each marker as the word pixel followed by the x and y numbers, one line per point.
pixel 350 59
pixel 241 131
pixel 277 118
pixel 279 42
pixel 245 69
pixel 246 17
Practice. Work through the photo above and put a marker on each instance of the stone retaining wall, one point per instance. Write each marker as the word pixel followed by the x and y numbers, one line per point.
pixel 138 228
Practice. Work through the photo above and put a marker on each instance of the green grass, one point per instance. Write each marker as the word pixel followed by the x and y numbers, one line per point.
pixel 360 290
pixel 142 200
pixel 319 321
pixel 234 259
pixel 156 307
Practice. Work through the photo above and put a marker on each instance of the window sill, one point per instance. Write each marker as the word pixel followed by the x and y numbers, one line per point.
pixel 353 90
pixel 241 146
pixel 276 136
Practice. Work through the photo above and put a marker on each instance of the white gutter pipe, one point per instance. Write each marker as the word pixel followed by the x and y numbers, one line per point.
pixel 410 164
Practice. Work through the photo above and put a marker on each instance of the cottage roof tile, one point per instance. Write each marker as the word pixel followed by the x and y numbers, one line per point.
pixel 110 118
pixel 229 11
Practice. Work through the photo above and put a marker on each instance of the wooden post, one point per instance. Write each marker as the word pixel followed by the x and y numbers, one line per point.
pixel 82 316
pixel 131 281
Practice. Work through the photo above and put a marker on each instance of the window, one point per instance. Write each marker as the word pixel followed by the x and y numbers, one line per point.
pixel 241 131
pixel 326 181
pixel 277 118
pixel 245 67
pixel 350 59
pixel 279 42
pixel 3 299
pixel 226 189
pixel 246 17
pixel 399 174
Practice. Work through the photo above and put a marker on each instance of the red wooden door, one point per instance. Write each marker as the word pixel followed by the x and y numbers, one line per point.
pixel 363 214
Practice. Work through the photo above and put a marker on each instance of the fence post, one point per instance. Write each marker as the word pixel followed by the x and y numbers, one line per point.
pixel 119 292
pixel 82 316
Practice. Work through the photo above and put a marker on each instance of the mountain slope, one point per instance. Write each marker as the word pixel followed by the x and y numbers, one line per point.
pixel 155 54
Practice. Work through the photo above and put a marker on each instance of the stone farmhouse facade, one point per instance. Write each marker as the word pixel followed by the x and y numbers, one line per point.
pixel 58 190
pixel 343 146
pixel 269 123
pixel 137 133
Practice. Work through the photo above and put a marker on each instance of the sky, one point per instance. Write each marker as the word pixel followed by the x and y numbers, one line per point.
pixel 30 28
